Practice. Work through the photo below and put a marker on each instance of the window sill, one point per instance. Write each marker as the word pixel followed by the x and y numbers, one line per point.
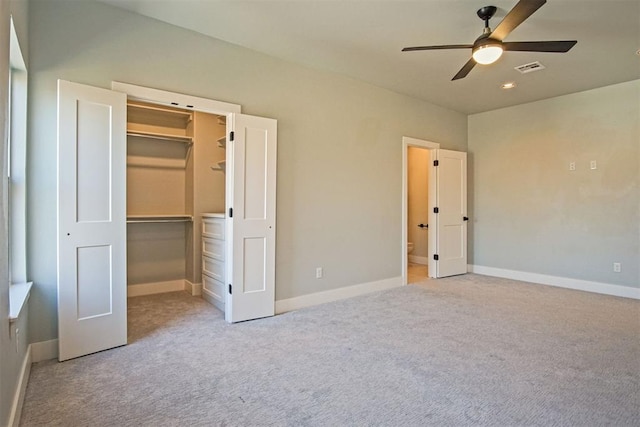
pixel 18 297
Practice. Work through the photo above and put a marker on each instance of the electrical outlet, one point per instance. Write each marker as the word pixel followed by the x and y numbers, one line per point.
pixel 617 267
pixel 593 164
pixel 572 166
pixel 319 273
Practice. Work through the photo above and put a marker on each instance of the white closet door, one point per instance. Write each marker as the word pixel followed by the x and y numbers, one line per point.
pixel 251 226
pixel 92 287
pixel 451 219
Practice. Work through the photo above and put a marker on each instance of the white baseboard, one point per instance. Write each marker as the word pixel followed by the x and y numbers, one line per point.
pixel 156 288
pixel 423 260
pixel 195 289
pixel 309 300
pixel 560 282
pixel 44 350
pixel 21 388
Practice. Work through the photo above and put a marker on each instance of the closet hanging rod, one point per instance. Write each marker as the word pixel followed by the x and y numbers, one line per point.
pixel 155 221
pixel 158 219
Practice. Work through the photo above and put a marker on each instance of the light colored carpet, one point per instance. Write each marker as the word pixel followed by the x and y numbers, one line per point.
pixel 468 350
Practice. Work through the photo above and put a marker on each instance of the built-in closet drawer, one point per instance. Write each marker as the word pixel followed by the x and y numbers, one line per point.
pixel 213 287
pixel 213 248
pixel 213 267
pixel 213 227
pixel 213 255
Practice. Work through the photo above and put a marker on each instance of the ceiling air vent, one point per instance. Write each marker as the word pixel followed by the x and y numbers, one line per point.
pixel 531 66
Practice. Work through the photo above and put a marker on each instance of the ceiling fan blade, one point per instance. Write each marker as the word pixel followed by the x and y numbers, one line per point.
pixel 516 16
pixel 545 46
pixel 465 70
pixel 446 46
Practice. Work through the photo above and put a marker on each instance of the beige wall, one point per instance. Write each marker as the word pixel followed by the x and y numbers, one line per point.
pixel 531 213
pixel 417 200
pixel 339 187
pixel 208 186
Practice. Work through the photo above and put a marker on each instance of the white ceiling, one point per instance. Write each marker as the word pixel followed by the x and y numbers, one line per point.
pixel 363 38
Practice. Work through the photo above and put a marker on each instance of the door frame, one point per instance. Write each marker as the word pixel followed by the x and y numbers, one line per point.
pixel 428 145
pixel 173 99
pixel 191 103
pixel 209 106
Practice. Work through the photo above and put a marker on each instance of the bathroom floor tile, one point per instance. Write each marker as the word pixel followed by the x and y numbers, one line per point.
pixel 417 273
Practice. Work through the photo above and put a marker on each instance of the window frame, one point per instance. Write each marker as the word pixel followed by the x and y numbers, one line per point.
pixel 15 178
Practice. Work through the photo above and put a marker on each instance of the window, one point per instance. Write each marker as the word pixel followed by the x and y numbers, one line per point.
pixel 16 177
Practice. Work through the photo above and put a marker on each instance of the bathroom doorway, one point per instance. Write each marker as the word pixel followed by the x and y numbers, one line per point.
pixel 416 244
pixel 418 159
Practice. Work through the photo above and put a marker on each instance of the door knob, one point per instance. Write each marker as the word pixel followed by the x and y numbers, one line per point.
pixel 423 225
pixel 465 218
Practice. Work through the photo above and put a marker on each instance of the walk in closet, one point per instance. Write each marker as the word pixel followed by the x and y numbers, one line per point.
pixel 175 174
pixel 142 187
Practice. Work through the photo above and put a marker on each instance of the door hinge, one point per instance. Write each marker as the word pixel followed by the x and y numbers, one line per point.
pixel 436 163
pixel 230 212
pixel 230 289
pixel 231 134
pixel 436 210
pixel 435 256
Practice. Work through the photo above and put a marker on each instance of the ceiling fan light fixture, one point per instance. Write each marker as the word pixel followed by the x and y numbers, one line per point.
pixel 487 53
pixel 488 48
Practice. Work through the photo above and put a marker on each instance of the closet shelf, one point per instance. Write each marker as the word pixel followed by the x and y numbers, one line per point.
pixel 158 115
pixel 222 142
pixel 161 136
pixel 221 166
pixel 135 219
pixel 156 162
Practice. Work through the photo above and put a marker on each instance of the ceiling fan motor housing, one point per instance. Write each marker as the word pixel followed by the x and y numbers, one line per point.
pixel 485 41
pixel 486 13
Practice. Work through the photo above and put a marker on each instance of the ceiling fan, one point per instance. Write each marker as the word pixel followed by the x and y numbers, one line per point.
pixel 489 46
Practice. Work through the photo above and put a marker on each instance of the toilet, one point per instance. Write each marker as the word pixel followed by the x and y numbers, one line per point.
pixel 409 247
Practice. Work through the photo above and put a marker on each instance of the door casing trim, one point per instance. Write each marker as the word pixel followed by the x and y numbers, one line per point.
pixel 406 143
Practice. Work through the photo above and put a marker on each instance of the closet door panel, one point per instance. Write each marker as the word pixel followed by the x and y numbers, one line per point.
pixel 93 162
pixel 251 192
pixel 92 284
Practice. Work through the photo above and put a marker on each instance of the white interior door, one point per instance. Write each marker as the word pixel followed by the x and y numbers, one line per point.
pixel 92 287
pixel 251 220
pixel 449 185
